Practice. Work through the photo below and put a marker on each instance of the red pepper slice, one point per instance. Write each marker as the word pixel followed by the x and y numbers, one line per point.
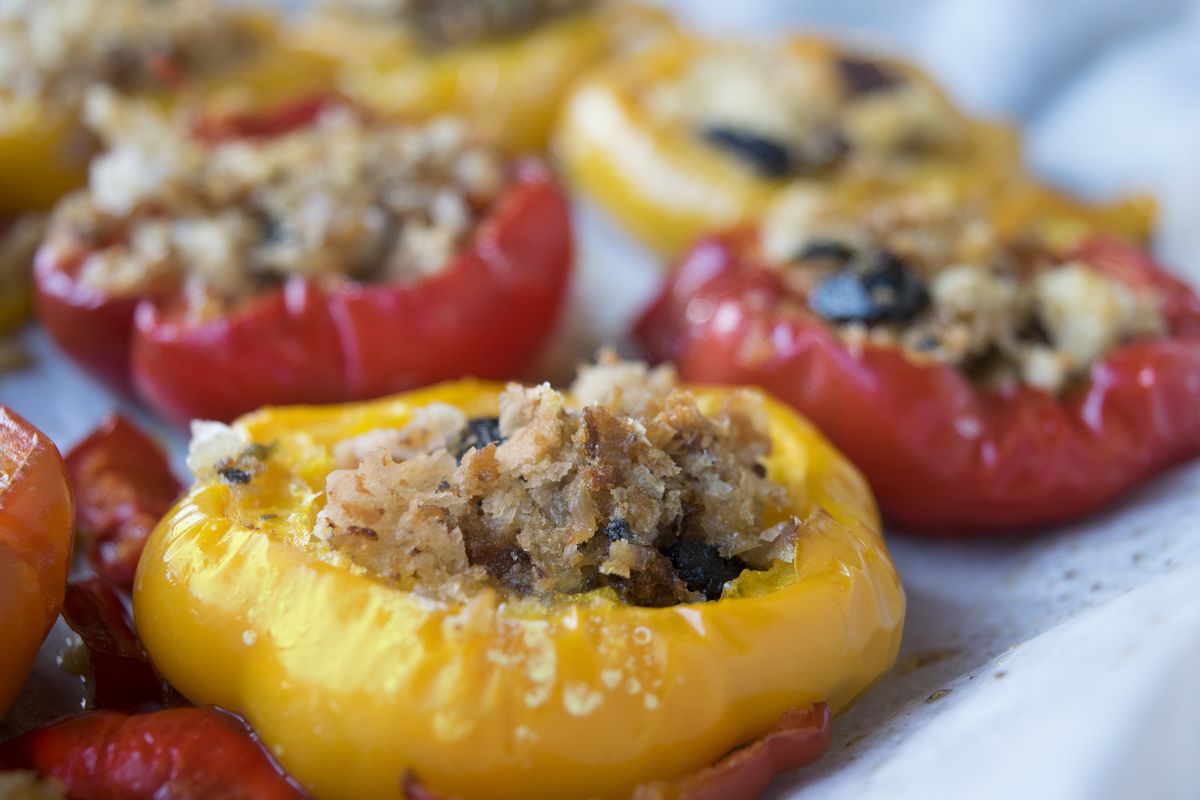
pixel 487 313
pixel 123 486
pixel 123 677
pixel 178 753
pixel 943 456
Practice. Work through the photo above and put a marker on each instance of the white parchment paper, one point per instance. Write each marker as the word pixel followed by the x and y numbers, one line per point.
pixel 1063 666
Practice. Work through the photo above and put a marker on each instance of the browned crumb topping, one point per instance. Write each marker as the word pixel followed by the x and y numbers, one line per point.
pixel 788 114
pixel 56 49
pixel 633 488
pixel 936 280
pixel 455 23
pixel 340 198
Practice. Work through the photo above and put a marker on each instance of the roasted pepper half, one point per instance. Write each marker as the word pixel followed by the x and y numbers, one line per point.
pixel 689 136
pixel 363 257
pixel 36 533
pixel 509 84
pixel 948 450
pixel 354 683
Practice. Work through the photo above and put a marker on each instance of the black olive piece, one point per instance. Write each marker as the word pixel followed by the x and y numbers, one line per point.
pixel 876 288
pixel 863 76
pixel 233 475
pixel 768 158
pixel 481 432
pixel 616 529
pixel 702 568
pixel 826 249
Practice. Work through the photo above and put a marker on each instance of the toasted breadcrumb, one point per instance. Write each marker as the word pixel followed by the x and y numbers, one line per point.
pixel 600 487
pixel 55 49
pixel 1003 312
pixel 342 198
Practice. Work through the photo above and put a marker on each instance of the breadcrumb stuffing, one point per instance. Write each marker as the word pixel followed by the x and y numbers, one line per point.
pixel 342 198
pixel 623 483
pixel 934 278
pixel 455 23
pixel 54 50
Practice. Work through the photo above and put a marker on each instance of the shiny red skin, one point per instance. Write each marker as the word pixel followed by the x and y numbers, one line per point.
pixel 123 486
pixel 178 753
pixel 944 456
pixel 487 314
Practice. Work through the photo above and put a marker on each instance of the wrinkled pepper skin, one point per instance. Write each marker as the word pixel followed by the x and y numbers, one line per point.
pixel 509 90
pixel 173 754
pixel 352 683
pixel 44 150
pixel 944 456
pixel 312 341
pixel 665 185
pixel 37 519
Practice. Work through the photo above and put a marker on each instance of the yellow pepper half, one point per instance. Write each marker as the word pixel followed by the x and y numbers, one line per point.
pixel 351 682
pixel 659 179
pixel 509 89
pixel 44 148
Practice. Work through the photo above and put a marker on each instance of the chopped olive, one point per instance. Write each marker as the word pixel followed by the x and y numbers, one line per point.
pixel 233 475
pixel 863 76
pixel 766 157
pixel 481 432
pixel 826 250
pixel 617 529
pixel 876 288
pixel 702 568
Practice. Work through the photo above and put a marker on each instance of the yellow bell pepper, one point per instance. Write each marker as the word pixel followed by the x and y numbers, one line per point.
pixel 664 183
pixel 351 682
pixel 44 148
pixel 509 89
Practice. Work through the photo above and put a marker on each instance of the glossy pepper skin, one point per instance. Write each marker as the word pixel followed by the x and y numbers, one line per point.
pixel 36 533
pixel 582 697
pixel 664 183
pixel 44 148
pixel 174 754
pixel 122 485
pixel 486 313
pixel 943 456
pixel 510 89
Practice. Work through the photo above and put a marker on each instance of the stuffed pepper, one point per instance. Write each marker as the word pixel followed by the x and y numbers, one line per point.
pixel 982 384
pixel 505 66
pixel 36 533
pixel 308 255
pixel 55 51
pixel 515 592
pixel 690 136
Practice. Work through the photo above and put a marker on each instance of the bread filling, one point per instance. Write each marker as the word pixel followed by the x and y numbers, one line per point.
pixel 55 50
pixel 341 198
pixel 787 114
pixel 622 484
pixel 934 278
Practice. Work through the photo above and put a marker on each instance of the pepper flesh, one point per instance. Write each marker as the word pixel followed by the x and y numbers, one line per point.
pixel 944 456
pixel 667 186
pixel 510 89
pixel 582 696
pixel 36 533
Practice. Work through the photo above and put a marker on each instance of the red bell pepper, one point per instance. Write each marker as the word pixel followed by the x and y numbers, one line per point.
pixel 178 753
pixel 123 485
pixel 486 313
pixel 943 455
